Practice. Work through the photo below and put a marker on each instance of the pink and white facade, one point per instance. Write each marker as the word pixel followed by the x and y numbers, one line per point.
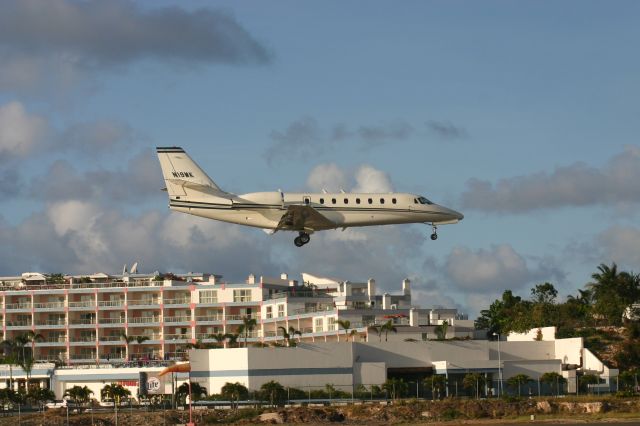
pixel 82 319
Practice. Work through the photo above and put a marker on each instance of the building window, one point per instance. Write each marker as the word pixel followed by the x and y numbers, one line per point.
pixel 319 325
pixel 331 324
pixel 280 310
pixel 209 296
pixel 269 312
pixel 242 295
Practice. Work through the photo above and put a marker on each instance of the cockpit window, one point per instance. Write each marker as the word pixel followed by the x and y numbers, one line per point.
pixel 423 200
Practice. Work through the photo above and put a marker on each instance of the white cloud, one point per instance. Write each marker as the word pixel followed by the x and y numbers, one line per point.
pixel 370 179
pixel 574 185
pixel 20 132
pixel 327 176
pixel 620 244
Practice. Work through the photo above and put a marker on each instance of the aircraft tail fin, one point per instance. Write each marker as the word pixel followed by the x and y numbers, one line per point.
pixel 181 173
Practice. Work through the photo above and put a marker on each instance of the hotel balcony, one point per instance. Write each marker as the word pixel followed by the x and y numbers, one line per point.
pixel 18 325
pixel 143 304
pixel 82 306
pixel 180 302
pixel 239 318
pixel 111 322
pixel 110 304
pixel 18 306
pixel 55 324
pixel 179 319
pixel 209 319
pixel 144 320
pixel 82 323
pixel 49 306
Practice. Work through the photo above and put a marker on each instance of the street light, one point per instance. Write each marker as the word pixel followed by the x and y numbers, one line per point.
pixel 499 366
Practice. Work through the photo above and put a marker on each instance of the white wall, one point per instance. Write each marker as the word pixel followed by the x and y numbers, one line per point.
pixel 548 333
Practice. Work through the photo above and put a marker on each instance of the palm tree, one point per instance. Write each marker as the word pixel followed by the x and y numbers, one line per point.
pixel 140 340
pixel 127 341
pixel 289 335
pixel 377 329
pixel 10 349
pixel 26 365
pixel 234 391
pixel 114 392
pixel 387 327
pixel 441 330
pixel 218 337
pixel 346 325
pixel 437 383
pixel 79 394
pixel 554 380
pixel 21 341
pixel 232 339
pixel 197 392
pixel 248 324
pixel 473 381
pixel 274 391
pixel 33 337
pixel 518 380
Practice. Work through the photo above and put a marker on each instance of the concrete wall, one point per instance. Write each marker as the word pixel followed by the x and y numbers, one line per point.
pixel 569 351
pixel 548 333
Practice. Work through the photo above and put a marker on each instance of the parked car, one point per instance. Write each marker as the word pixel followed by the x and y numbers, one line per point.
pixel 58 403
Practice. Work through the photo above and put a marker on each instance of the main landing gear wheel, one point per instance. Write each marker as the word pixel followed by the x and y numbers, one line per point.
pixel 302 239
pixel 434 235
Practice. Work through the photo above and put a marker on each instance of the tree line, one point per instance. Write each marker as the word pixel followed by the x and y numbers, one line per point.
pixel 605 301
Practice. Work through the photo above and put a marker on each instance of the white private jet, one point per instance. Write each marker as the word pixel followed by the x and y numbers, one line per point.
pixel 192 191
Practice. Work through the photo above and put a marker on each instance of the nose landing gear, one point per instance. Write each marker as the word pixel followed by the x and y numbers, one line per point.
pixel 302 239
pixel 434 235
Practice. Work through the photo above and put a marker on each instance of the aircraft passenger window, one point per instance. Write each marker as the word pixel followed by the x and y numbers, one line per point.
pixel 357 200
pixel 346 201
pixel 321 200
pixel 333 201
pixel 393 200
pixel 381 200
pixel 370 201
pixel 415 201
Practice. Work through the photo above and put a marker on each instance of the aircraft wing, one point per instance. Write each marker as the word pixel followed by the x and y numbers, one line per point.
pixel 304 218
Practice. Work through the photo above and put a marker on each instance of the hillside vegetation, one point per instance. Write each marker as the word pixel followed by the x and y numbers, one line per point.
pixel 596 313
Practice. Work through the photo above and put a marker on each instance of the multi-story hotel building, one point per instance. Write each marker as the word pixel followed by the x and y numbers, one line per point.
pixel 82 319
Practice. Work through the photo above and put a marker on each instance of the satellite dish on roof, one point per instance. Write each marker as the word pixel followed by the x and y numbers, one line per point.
pixel 134 268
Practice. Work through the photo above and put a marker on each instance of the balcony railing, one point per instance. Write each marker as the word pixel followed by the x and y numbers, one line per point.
pixel 75 357
pixel 111 320
pixel 18 323
pixel 14 306
pixel 138 320
pixel 150 336
pixel 144 302
pixel 181 301
pixel 51 322
pixel 108 303
pixel 208 300
pixel 177 337
pixel 56 339
pixel 177 319
pixel 240 317
pixel 321 308
pixel 82 321
pixel 83 304
pixel 209 318
pixel 50 305
pixel 83 339
pixel 111 339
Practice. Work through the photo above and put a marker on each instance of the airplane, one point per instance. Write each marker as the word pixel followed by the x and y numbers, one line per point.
pixel 191 191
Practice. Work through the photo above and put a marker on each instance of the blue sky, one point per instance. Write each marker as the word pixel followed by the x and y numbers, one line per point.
pixel 522 115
